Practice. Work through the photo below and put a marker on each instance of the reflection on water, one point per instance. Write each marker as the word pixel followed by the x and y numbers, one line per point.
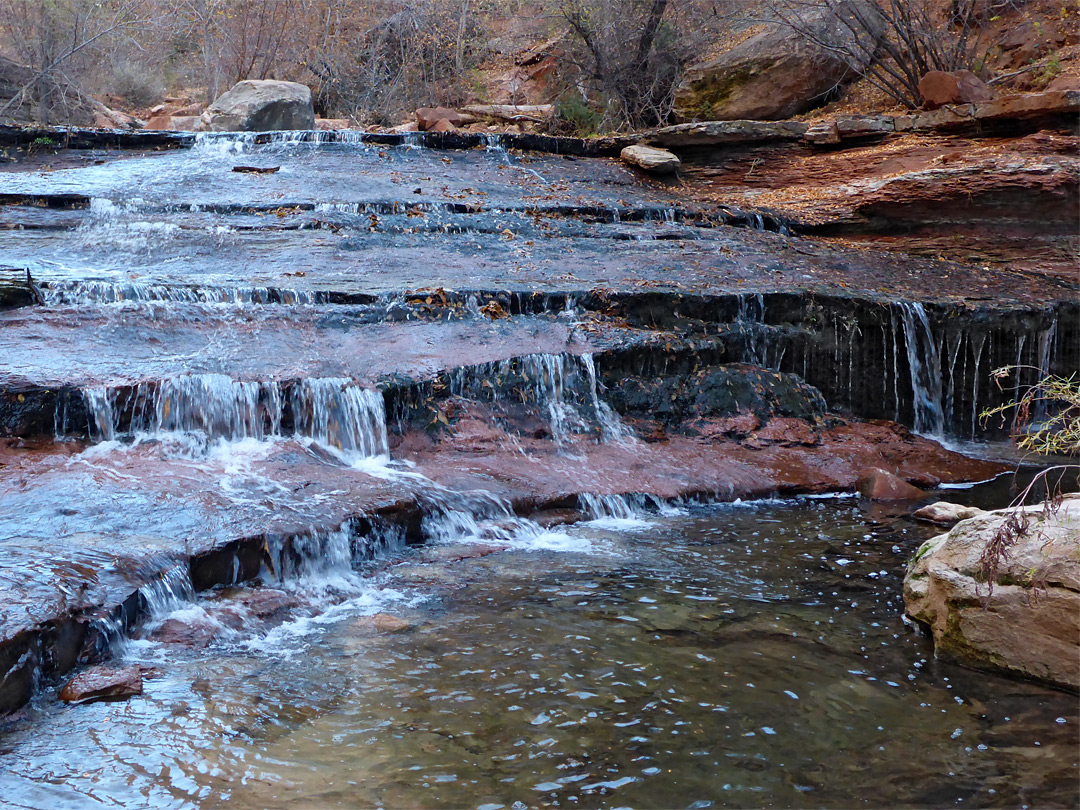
pixel 729 656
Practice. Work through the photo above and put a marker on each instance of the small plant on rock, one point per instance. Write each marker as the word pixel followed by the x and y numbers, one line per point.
pixel 1046 422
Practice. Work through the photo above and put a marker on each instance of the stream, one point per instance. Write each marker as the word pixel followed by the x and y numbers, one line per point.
pixel 704 656
pixel 470 478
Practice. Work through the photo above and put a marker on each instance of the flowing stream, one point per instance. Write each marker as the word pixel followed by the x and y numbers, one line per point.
pixel 396 471
pixel 713 656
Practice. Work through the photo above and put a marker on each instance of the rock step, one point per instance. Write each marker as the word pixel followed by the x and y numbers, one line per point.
pixel 102 578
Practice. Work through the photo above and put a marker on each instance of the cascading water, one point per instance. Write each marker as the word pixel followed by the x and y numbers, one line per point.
pixel 925 367
pixel 81 293
pixel 218 406
pixel 338 413
pixel 334 412
pixel 606 507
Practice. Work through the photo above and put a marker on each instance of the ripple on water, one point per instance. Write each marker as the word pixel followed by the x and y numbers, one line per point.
pixel 729 656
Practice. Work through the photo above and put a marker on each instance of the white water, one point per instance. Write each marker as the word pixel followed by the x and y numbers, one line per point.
pixel 925 368
pixel 334 412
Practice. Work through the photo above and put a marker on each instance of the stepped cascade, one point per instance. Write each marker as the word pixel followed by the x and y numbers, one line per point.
pixel 361 453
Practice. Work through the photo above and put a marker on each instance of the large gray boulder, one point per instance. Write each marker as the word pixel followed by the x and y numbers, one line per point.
pixel 1030 624
pixel 787 68
pixel 261 106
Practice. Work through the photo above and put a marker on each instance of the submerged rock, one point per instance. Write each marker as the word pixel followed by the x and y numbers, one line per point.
pixel 944 513
pixel 1029 623
pixel 383 623
pixel 877 484
pixel 194 633
pixel 103 683
pixel 651 159
pixel 261 106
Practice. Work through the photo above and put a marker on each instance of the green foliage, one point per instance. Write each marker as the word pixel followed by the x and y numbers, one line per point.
pixel 574 116
pixel 1058 433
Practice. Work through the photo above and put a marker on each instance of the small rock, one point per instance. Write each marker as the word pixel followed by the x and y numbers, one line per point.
pixel 428 117
pixel 265 602
pixel 442 125
pixel 825 132
pixel 879 485
pixel 548 518
pixel 939 88
pixel 103 683
pixel 944 513
pixel 195 634
pixel 383 623
pixel 651 159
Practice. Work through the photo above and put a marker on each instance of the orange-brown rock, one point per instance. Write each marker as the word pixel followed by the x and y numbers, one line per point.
pixel 195 633
pixel 428 117
pixel 877 484
pixel 442 125
pixel 103 683
pixel 939 88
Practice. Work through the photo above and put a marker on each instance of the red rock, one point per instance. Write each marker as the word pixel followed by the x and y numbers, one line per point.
pixel 162 122
pixel 879 485
pixel 428 117
pixel 939 88
pixel 442 125
pixel 196 633
pixel 265 602
pixel 383 623
pixel 103 683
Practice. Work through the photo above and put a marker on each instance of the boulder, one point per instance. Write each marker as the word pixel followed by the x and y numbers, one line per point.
pixel 785 69
pixel 160 122
pixel 877 484
pixel 331 124
pixel 651 159
pixel 1029 623
pixel 103 683
pixel 944 513
pixel 442 125
pixel 261 106
pixel 939 88
pixel 186 123
pixel 428 117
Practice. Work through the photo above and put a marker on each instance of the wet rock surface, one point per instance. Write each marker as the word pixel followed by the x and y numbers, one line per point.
pixel 103 683
pixel 1027 621
pixel 240 375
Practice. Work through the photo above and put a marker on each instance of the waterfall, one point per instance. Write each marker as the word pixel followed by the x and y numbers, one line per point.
pixel 924 365
pixel 217 405
pixel 338 413
pixel 335 412
pixel 80 293
pixel 601 507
